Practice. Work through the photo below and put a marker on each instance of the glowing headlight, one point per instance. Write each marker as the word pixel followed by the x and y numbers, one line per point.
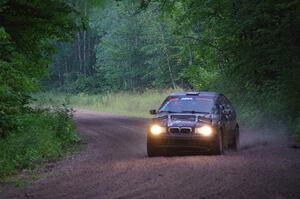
pixel 156 129
pixel 204 130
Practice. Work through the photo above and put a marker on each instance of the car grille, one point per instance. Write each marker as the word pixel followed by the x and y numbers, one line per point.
pixel 184 130
pixel 174 130
pixel 183 117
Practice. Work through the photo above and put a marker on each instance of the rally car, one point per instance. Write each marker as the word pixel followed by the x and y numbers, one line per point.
pixel 193 121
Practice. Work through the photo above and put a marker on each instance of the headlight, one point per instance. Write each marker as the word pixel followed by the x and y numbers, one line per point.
pixel 156 129
pixel 204 130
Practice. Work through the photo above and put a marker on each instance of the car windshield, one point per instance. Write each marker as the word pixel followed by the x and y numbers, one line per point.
pixel 188 105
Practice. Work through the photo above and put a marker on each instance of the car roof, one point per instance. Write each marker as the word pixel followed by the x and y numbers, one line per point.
pixel 196 93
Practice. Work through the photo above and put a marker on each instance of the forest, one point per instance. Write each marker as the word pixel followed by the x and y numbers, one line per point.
pixel 248 50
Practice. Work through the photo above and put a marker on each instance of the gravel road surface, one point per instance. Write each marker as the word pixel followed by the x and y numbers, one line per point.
pixel 113 164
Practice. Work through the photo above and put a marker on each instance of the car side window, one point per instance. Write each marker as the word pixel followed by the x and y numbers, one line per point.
pixel 216 109
pixel 223 102
pixel 228 105
pixel 220 105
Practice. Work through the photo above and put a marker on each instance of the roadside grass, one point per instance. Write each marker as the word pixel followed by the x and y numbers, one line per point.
pixel 138 105
pixel 131 103
pixel 47 133
pixel 123 103
pixel 42 136
pixel 26 177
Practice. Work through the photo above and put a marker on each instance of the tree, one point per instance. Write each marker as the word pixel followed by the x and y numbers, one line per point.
pixel 136 53
pixel 27 32
pixel 251 46
pixel 127 51
pixel 80 58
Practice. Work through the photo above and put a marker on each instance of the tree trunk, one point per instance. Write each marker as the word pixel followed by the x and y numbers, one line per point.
pixel 89 64
pixel 165 49
pixel 79 52
pixel 84 42
pixel 60 77
pixel 84 52
pixel 191 55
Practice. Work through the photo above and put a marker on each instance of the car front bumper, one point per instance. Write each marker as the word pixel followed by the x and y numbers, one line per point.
pixel 190 141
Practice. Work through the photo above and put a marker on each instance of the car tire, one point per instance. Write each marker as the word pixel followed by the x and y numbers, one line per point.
pixel 236 140
pixel 217 148
pixel 152 151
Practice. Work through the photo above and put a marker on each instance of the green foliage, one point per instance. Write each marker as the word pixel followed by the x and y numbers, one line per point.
pixel 41 135
pixel 296 127
pixel 248 50
pixel 125 51
pixel 251 46
pixel 27 32
pixel 201 78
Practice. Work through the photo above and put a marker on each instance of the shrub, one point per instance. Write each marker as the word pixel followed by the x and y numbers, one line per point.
pixel 296 128
pixel 41 135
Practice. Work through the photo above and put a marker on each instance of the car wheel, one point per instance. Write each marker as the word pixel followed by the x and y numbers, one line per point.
pixel 152 151
pixel 217 148
pixel 236 140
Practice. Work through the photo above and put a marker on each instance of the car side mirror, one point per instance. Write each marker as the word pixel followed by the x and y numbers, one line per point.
pixel 226 112
pixel 152 111
pixel 221 107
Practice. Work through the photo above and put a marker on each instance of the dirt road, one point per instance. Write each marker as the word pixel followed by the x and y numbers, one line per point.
pixel 114 164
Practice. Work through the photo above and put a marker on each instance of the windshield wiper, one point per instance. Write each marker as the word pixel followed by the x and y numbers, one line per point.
pixel 168 112
pixel 200 112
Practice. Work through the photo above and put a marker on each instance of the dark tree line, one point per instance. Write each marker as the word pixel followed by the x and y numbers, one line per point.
pixel 126 48
pixel 252 46
pixel 28 30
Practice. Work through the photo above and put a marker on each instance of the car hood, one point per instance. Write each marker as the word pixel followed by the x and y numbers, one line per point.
pixel 182 120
